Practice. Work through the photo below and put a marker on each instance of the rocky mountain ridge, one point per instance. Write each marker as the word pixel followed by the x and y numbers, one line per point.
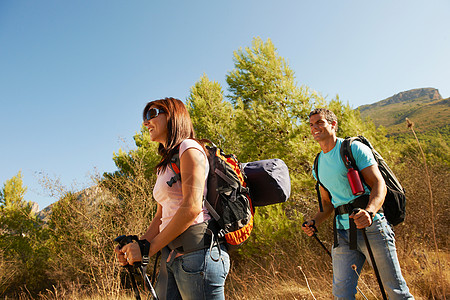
pixel 422 94
pixel 424 106
pixel 94 195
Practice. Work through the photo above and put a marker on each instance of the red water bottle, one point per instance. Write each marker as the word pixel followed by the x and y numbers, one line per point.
pixel 355 182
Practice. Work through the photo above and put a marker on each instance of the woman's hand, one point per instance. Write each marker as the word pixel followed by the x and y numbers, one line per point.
pixel 128 254
pixel 120 256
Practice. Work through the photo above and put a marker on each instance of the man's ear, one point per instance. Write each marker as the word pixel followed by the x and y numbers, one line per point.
pixel 334 124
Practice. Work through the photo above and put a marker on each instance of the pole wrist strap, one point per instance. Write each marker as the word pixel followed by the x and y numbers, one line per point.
pixel 144 246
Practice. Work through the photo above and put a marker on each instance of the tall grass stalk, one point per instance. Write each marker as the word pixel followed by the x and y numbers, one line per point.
pixel 307 283
pixel 410 125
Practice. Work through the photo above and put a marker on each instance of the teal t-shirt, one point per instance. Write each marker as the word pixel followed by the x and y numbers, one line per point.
pixel 333 175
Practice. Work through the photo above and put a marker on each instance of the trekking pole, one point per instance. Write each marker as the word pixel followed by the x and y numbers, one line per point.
pixel 123 240
pixel 372 258
pixel 317 238
pixel 147 281
pixel 328 252
pixel 320 242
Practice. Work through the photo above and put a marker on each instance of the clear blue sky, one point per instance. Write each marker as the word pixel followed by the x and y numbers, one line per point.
pixel 75 75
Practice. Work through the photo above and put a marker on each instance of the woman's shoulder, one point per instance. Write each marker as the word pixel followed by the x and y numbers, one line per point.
pixel 190 143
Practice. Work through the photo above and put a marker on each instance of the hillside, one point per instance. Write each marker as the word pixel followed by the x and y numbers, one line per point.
pixel 424 106
pixel 92 195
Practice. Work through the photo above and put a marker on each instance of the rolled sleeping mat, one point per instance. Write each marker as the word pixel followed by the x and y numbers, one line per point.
pixel 268 181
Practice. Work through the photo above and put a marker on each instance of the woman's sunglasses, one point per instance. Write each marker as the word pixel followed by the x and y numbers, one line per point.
pixel 153 113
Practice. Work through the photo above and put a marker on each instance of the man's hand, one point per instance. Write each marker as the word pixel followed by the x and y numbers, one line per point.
pixel 362 218
pixel 309 227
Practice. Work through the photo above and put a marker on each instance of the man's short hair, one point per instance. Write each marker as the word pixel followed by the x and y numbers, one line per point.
pixel 328 115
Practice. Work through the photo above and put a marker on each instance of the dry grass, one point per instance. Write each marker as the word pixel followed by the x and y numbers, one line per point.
pixel 281 278
pixel 293 268
pixel 423 273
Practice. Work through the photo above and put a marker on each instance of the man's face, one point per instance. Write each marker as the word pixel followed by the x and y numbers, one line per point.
pixel 321 129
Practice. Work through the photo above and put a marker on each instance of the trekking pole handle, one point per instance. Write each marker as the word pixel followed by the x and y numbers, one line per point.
pixel 356 210
pixel 126 239
pixel 313 226
pixel 123 240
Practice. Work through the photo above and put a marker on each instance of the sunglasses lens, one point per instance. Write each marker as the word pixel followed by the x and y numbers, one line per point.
pixel 153 113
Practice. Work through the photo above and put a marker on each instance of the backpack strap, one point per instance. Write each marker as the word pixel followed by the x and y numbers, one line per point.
pixel 188 240
pixel 347 155
pixel 318 183
pixel 350 162
pixel 175 167
pixel 360 202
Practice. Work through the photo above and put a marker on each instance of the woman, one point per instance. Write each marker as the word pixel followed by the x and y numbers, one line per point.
pixel 197 274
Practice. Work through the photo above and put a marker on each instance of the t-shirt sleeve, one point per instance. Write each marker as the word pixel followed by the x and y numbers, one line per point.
pixel 187 144
pixel 363 155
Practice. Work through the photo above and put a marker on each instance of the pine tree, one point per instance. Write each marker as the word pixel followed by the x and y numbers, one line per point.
pixel 271 110
pixel 212 116
pixel 21 239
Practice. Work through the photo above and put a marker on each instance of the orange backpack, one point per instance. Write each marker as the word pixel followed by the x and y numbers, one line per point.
pixel 228 198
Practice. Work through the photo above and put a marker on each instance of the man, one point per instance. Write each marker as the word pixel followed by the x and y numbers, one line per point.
pixel 337 195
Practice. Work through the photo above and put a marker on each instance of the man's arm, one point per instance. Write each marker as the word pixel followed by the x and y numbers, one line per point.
pixel 374 179
pixel 320 216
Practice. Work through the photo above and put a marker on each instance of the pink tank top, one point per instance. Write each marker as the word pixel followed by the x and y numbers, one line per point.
pixel 170 198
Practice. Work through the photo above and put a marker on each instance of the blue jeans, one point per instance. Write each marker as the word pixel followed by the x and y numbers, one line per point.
pixel 196 275
pixel 382 241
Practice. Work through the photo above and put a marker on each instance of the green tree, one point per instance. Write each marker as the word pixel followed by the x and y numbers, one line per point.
pixel 271 109
pixel 22 240
pixel 271 120
pixel 212 116
pixel 14 208
pixel 272 115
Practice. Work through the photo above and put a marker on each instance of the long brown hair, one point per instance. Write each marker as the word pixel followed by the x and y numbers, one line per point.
pixel 179 126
